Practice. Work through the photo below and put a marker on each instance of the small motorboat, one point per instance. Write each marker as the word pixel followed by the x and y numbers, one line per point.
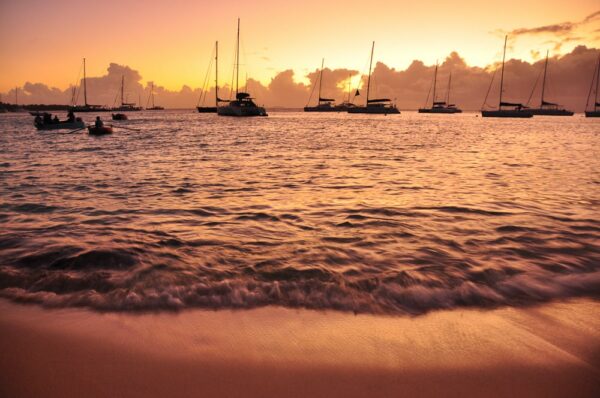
pixel 119 116
pixel 93 130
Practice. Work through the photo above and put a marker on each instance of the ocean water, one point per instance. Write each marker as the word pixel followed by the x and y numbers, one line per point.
pixel 397 215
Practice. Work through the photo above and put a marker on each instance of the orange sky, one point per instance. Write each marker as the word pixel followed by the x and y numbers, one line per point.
pixel 170 42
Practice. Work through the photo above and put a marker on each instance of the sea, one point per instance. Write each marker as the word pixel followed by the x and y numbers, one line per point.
pixel 396 215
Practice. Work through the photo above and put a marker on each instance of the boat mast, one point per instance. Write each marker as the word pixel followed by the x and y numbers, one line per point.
pixel 597 78
pixel 370 65
pixel 237 60
pixel 122 85
pixel 216 73
pixel 84 85
pixel 544 79
pixel 449 84
pixel 434 81
pixel 349 86
pixel 321 79
pixel 502 73
pixel 152 93
pixel 16 95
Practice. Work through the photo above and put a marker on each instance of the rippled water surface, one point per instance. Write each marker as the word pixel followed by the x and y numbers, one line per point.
pixel 396 214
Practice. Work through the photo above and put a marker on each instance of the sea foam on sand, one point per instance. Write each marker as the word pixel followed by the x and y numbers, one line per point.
pixel 551 350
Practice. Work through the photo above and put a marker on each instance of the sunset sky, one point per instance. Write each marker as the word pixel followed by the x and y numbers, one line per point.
pixel 170 42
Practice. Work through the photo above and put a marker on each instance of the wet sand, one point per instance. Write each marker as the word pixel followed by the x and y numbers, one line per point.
pixel 551 351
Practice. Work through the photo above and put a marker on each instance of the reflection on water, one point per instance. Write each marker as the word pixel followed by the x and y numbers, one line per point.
pixel 370 214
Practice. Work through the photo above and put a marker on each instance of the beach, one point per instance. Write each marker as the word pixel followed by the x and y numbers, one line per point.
pixel 552 350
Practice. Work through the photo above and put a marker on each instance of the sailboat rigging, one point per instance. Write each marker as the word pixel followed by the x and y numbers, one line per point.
pixel 125 106
pixel 243 105
pixel 151 98
pixel 440 106
pixel 375 106
pixel 595 112
pixel 212 109
pixel 547 108
pixel 87 107
pixel 514 109
pixel 323 104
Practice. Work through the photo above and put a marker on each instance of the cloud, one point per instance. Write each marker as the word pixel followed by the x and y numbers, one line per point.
pixel 559 29
pixel 568 83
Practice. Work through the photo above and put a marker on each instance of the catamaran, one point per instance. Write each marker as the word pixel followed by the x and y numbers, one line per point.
pixel 86 107
pixel 440 106
pixel 211 109
pixel 243 105
pixel 515 109
pixel 323 104
pixel 151 99
pixel 382 106
pixel 547 108
pixel 125 106
pixel 595 112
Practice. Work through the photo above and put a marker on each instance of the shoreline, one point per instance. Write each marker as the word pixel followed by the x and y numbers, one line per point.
pixel 551 350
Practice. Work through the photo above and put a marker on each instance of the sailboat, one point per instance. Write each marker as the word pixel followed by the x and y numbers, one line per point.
pixel 243 105
pixel 440 106
pixel 213 109
pixel 151 98
pixel 549 108
pixel 125 106
pixel 375 106
pixel 324 104
pixel 515 109
pixel 344 106
pixel 595 112
pixel 86 107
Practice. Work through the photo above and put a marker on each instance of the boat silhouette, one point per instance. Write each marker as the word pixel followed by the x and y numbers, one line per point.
pixel 595 111
pixel 381 106
pixel 243 105
pixel 514 109
pixel 440 106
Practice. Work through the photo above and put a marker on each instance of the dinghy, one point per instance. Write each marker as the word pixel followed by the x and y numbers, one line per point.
pixel 93 130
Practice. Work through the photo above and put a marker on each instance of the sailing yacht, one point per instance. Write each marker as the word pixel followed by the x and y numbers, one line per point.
pixel 440 106
pixel 375 106
pixel 213 109
pixel 125 106
pixel 86 107
pixel 515 109
pixel 549 108
pixel 324 104
pixel 243 105
pixel 595 112
pixel 151 98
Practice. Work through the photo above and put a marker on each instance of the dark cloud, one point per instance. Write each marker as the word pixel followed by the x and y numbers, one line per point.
pixel 560 29
pixel 568 82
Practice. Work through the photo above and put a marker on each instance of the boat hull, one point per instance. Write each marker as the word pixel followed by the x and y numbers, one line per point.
pixel 80 109
pixel 60 126
pixel 507 113
pixel 155 108
pixel 375 110
pixel 99 130
pixel 241 111
pixel 440 110
pixel 119 116
pixel 550 112
pixel 323 109
pixel 592 113
pixel 207 109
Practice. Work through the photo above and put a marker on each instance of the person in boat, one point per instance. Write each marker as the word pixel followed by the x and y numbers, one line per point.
pixel 70 117
pixel 55 120
pixel 38 120
pixel 47 118
pixel 99 123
